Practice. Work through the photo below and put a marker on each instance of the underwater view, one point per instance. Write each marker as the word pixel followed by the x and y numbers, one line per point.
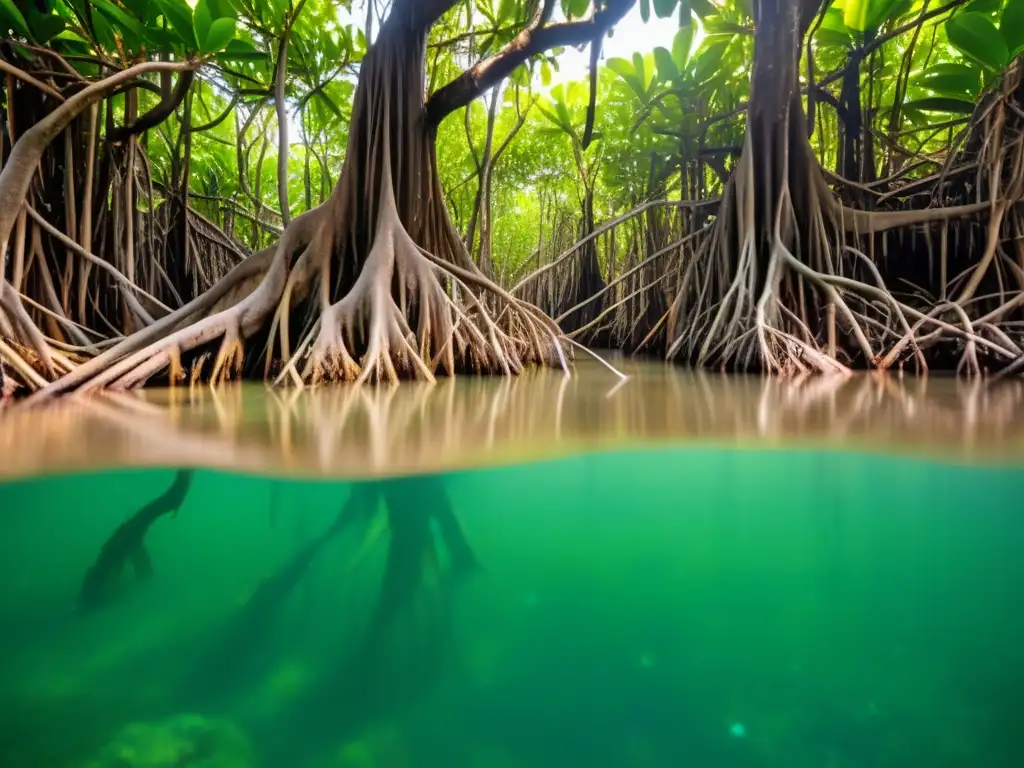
pixel 675 570
pixel 377 384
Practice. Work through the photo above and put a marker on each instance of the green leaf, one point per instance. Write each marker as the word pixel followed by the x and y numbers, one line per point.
pixel 682 45
pixel 667 69
pixel 642 71
pixel 519 77
pixel 225 9
pixel 73 37
pixel 120 19
pixel 664 8
pixel 330 104
pixel 506 12
pixel 626 71
pixel 487 9
pixel 710 59
pixel 951 79
pixel 723 27
pixel 831 37
pixel 977 38
pixel 45 27
pixel 833 19
pixel 983 6
pixel 159 39
pixel 179 17
pixel 145 11
pixel 645 10
pixel 241 50
pixel 865 15
pixel 1011 25
pixel 917 118
pixel 942 104
pixel 620 67
pixel 545 73
pixel 12 17
pixel 552 117
pixel 564 118
pixel 220 33
pixel 280 7
pixel 202 18
pixel 703 8
pixel 574 9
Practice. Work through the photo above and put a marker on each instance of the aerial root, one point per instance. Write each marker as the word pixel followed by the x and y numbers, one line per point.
pixel 230 311
pixel 136 358
pixel 719 320
pixel 453 331
pixel 841 289
pixel 139 367
pixel 25 350
pixel 17 361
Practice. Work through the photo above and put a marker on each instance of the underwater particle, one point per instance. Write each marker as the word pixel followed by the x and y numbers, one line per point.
pixel 530 600
pixel 182 740
pixel 492 756
pixel 380 747
pixel 646 660
pixel 357 755
pixel 286 681
pixel 737 730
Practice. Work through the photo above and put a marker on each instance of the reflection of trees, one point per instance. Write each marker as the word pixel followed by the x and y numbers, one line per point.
pixel 126 546
pixel 427 555
pixel 410 510
pixel 466 422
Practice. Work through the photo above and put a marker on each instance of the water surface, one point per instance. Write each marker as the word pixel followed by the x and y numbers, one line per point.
pixel 676 571
pixel 475 422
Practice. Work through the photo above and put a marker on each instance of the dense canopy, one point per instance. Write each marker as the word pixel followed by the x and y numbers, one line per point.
pixel 309 190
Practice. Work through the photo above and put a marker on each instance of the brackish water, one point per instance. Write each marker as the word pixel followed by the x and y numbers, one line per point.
pixel 675 571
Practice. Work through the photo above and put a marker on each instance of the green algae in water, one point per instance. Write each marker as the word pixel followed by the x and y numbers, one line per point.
pixel 643 608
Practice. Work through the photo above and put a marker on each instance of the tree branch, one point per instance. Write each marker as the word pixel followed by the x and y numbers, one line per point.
pixel 538 37
pixel 157 114
pixel 280 76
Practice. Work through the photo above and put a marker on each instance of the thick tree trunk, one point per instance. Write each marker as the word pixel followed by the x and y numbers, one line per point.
pixel 585 281
pixel 771 221
pixel 776 127
pixel 389 121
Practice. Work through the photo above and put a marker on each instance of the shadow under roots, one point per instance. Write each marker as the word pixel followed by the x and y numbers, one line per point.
pixel 404 649
pixel 381 665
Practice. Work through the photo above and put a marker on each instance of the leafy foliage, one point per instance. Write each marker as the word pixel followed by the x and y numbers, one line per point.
pixel 669 118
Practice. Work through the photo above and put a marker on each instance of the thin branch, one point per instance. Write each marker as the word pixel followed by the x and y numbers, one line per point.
pixel 157 114
pixel 538 37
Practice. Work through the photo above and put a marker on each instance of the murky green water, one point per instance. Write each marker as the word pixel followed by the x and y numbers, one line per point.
pixel 678 606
